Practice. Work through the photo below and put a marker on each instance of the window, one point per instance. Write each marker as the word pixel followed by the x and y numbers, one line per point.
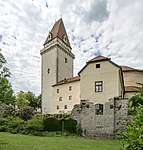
pixel 65 38
pixel 97 65
pixel 65 106
pixel 48 71
pixel 58 107
pixel 57 90
pixel 49 36
pixel 70 97
pixel 60 98
pixel 98 86
pixel 70 88
pixel 98 109
pixel 66 60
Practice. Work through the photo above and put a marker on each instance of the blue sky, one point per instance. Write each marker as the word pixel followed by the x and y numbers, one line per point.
pixel 107 27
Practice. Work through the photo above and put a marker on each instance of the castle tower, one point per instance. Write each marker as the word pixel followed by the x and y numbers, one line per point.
pixel 57 62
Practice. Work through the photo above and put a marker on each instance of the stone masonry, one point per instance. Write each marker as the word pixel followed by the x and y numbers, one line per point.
pixel 110 124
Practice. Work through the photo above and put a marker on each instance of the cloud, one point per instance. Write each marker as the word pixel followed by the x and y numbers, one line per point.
pixel 98 12
pixel 107 27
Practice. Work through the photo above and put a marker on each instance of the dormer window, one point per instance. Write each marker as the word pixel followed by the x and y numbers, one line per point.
pixel 49 36
pixel 65 38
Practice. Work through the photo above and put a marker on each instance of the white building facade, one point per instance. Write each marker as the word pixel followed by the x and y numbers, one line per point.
pixel 98 81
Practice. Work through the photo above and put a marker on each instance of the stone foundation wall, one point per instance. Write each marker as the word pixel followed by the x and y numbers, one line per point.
pixel 109 125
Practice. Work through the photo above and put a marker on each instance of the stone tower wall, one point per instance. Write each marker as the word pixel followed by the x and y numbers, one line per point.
pixel 54 69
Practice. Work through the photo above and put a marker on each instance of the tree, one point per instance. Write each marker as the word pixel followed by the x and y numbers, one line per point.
pixel 39 101
pixel 25 112
pixel 34 101
pixel 6 92
pixel 133 137
pixel 21 100
pixel 135 101
pixel 4 71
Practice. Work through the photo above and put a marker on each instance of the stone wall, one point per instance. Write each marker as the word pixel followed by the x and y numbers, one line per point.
pixel 108 125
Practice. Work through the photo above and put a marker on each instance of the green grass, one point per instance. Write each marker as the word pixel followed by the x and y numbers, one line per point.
pixel 26 142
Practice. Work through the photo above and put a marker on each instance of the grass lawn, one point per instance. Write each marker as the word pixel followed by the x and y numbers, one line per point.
pixel 26 142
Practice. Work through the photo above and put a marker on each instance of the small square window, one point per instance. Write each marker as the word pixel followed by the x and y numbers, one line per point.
pixel 58 107
pixel 60 98
pixel 70 97
pixel 57 90
pixel 70 88
pixel 65 106
pixel 97 65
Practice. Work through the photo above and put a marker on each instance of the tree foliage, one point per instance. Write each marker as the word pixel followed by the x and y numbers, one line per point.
pixel 21 100
pixel 4 71
pixel 135 101
pixel 34 101
pixel 133 137
pixel 6 92
pixel 25 113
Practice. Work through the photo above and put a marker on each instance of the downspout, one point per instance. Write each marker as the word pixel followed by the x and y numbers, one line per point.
pixel 114 118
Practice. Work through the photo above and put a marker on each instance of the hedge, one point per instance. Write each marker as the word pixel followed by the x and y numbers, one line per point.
pixel 51 124
pixel 54 124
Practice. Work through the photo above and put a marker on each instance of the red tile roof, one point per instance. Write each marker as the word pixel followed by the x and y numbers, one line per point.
pixel 131 89
pixel 68 80
pixel 59 30
pixel 99 58
pixel 126 68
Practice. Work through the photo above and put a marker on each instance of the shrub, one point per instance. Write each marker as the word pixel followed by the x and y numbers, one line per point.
pixel 70 125
pixel 13 124
pixel 2 123
pixel 6 110
pixel 35 125
pixel 51 124
pixel 133 137
pixel 25 113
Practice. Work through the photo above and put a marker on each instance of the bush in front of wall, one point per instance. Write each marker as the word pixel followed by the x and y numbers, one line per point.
pixel 70 125
pixel 51 124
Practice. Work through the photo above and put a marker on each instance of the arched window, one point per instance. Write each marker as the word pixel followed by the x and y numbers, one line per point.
pixel 70 88
pixel 48 71
pixel 49 36
pixel 66 60
pixel 98 109
pixel 65 38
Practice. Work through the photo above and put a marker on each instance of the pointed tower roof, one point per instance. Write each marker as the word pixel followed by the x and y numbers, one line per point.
pixel 59 31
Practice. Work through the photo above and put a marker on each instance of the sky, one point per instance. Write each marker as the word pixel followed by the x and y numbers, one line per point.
pixel 112 28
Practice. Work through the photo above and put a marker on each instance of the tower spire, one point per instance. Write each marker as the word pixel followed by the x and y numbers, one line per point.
pixel 59 31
